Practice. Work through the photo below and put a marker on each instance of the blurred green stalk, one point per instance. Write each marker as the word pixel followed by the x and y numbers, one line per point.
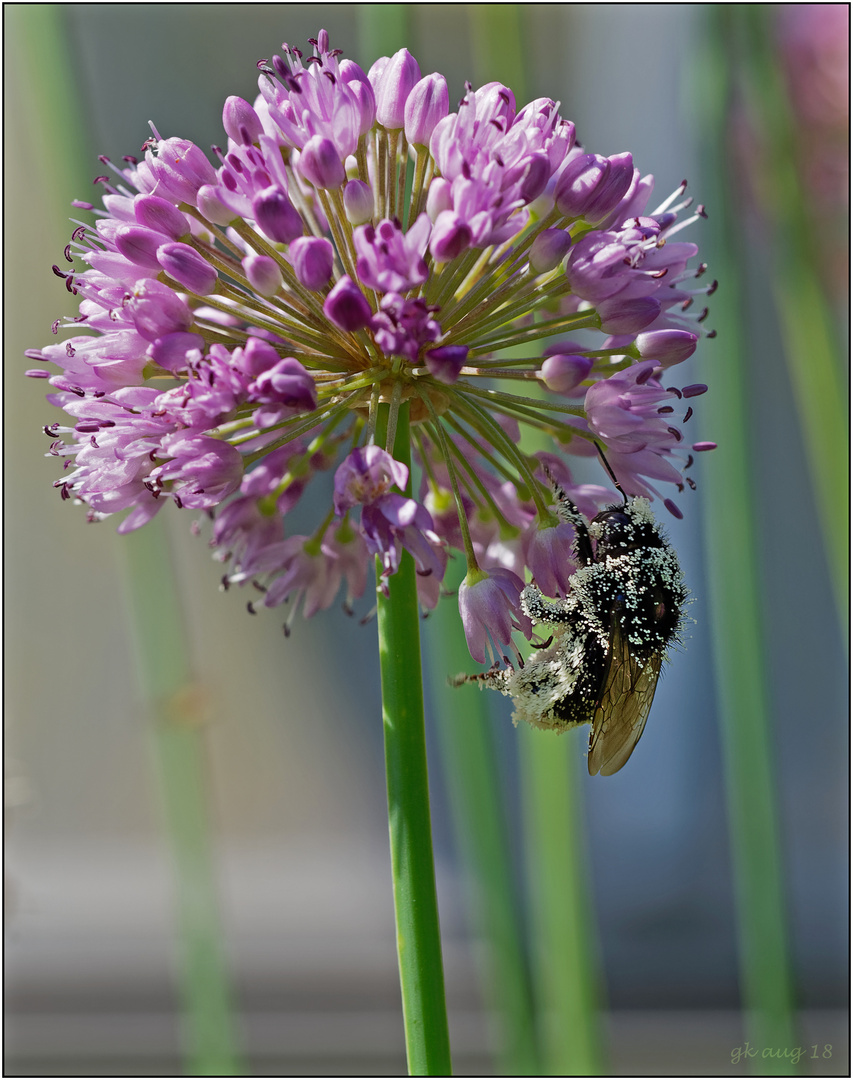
pixel 732 554
pixel 480 817
pixel 565 957
pixel 566 983
pixel 815 360
pixel 412 867
pixel 175 706
pixel 161 653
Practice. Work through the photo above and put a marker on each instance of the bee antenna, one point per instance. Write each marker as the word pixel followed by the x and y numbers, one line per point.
pixel 610 472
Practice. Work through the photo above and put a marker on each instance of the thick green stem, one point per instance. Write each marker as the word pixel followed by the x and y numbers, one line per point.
pixel 415 900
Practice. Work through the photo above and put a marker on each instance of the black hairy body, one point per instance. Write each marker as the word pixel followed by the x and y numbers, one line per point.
pixel 608 637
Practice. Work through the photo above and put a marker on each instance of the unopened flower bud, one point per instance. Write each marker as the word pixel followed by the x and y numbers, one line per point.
pixel 241 122
pixel 157 310
pixel 161 215
pixel 358 202
pixel 320 164
pixel 620 316
pixel 276 215
pixel 188 267
pixel 563 373
pixel 392 88
pixel 139 245
pixel 179 169
pixel 263 274
pixel 312 258
pixel 592 186
pixel 439 197
pixel 361 89
pixel 668 347
pixel 533 172
pixel 549 249
pixel 212 207
pixel 445 362
pixel 428 103
pixel 346 306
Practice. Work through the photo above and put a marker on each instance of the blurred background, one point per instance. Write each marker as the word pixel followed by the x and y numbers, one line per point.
pixel 293 737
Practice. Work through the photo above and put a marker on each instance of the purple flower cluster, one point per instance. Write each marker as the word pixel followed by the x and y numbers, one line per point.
pixel 247 325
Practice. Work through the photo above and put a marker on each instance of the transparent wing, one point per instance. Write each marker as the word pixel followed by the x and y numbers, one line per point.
pixel 623 708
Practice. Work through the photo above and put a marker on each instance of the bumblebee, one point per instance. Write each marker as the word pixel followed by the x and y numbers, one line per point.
pixel 608 637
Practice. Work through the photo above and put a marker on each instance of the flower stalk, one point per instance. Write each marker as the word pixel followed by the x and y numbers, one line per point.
pixel 413 874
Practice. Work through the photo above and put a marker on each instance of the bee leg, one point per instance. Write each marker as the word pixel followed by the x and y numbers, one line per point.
pixel 568 512
pixel 496 678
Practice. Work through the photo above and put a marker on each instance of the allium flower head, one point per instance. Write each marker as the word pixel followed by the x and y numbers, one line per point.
pixel 251 319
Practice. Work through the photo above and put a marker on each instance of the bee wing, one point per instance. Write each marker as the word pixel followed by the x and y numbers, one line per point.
pixel 623 707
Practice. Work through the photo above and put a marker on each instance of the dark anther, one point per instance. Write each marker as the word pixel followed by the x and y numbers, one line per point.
pixel 691 483
pixel 666 409
pixel 689 464
pixel 286 629
pixel 51 430
pixel 687 415
pixel 544 644
pixel 178 502
pixel 701 211
pixel 644 376
pixel 131 159
pixel 675 433
pixel 712 288
pixel 504 96
pixel 224 583
pixel 424 573
pixel 59 273
pixel 700 269
pixel 711 334
pixel 93 442
pixel 250 607
pixel 257 585
pixel 704 315
pixel 54 326
pixel 687 303
pixel 79 233
pixel 69 349
pixel 67 253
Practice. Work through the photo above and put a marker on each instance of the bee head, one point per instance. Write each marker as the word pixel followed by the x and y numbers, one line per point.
pixel 620 529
